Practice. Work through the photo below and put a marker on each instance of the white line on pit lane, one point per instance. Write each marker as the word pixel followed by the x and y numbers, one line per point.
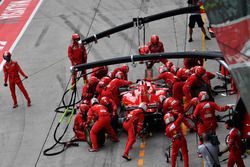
pixel 22 31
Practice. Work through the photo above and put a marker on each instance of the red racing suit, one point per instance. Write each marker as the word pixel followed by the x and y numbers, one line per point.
pixel 99 72
pixel 79 126
pixel 207 77
pixel 168 77
pixel 106 92
pixel 157 48
pixel 177 91
pixel 192 62
pixel 173 131
pixel 113 88
pixel 11 71
pixel 101 86
pixel 100 113
pixel 116 70
pixel 133 125
pixel 77 55
pixel 88 92
pixel 191 86
pixel 112 107
pixel 205 114
pixel 234 146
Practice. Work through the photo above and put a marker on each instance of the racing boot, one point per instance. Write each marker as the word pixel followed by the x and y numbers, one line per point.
pixel 92 150
pixel 29 103
pixel 15 106
pixel 125 156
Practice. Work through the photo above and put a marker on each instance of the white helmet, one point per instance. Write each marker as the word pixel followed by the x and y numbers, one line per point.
pixel 94 101
pixel 162 69
pixel 119 75
pixel 162 98
pixel 143 106
pixel 203 96
pixel 168 118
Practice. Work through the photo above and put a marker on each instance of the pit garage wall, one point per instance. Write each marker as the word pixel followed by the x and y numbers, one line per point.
pixel 231 21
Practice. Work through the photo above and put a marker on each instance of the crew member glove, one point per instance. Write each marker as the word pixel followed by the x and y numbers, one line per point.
pixel 5 84
pixel 193 129
pixel 229 106
pixel 26 77
pixel 220 153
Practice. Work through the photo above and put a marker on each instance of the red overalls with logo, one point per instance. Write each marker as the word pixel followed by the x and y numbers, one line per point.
pixel 205 112
pixel 168 77
pixel 133 125
pixel 192 83
pixel 173 131
pixel 99 72
pixel 116 70
pixel 102 116
pixel 113 88
pixel 158 48
pixel 79 126
pixel 234 145
pixel 77 55
pixel 11 71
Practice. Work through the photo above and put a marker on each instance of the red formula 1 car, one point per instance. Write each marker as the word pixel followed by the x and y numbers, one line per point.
pixel 149 92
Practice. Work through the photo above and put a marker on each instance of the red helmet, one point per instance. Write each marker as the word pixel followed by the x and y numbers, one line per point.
pixel 154 39
pixel 83 108
pixel 200 71
pixel 104 81
pixel 162 69
pixel 171 103
pixel 173 69
pixel 104 101
pixel 7 55
pixel 94 101
pixel 169 64
pixel 183 73
pixel 124 68
pixel 119 75
pixel 168 118
pixel 174 104
pixel 143 50
pixel 194 101
pixel 143 106
pixel 203 96
pixel 93 81
pixel 75 37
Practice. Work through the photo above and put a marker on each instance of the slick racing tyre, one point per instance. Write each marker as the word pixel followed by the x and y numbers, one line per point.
pixel 100 137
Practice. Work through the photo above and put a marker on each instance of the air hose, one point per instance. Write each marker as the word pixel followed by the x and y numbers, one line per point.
pixel 68 109
pixel 65 144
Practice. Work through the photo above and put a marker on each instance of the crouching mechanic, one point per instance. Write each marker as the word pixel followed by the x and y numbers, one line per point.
pixel 101 114
pixel 80 122
pixel 112 108
pixel 133 125
pixel 173 131
pixel 11 71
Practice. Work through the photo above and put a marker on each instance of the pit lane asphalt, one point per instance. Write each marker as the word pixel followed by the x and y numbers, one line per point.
pixel 42 53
